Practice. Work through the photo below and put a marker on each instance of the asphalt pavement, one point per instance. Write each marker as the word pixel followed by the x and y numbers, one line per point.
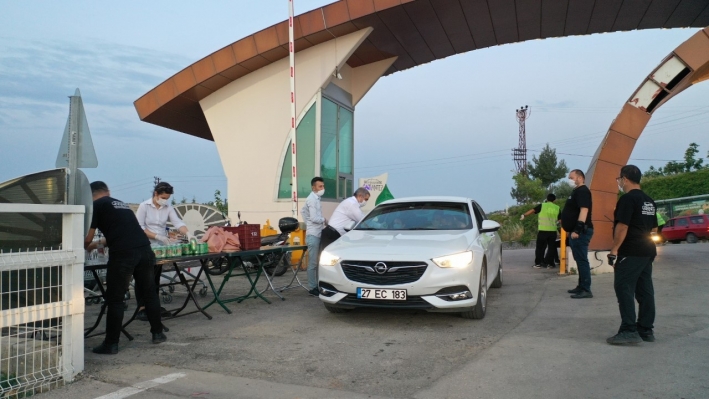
pixel 535 342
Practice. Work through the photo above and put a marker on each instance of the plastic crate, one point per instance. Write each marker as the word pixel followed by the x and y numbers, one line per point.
pixel 249 235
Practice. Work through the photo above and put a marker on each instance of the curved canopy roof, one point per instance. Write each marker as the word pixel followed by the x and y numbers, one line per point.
pixel 416 31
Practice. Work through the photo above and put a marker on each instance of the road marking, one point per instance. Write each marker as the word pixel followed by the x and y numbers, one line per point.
pixel 142 386
pixel 176 343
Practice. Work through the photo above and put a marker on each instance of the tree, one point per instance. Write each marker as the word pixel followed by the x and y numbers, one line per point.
pixel 220 204
pixel 527 190
pixel 546 169
pixel 690 162
pixel 562 190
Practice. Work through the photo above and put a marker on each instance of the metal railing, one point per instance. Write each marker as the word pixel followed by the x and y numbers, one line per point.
pixel 41 302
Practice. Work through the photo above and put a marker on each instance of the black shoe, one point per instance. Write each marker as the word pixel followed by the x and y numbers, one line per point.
pixel 142 316
pixel 106 349
pixel 165 313
pixel 159 338
pixel 647 337
pixel 314 292
pixel 625 337
pixel 582 294
pixel 575 290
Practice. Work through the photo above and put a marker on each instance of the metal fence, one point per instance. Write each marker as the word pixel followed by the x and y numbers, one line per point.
pixel 41 299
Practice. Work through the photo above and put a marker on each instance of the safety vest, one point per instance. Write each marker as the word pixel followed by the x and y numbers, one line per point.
pixel 548 216
pixel 660 220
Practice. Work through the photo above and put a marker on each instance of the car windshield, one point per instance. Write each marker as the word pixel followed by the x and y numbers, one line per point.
pixel 424 215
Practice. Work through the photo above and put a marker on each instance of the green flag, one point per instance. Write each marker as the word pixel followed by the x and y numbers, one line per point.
pixel 384 195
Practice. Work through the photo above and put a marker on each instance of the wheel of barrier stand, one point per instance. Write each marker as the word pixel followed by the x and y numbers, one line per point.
pixel 166 298
pixel 171 288
pixel 203 292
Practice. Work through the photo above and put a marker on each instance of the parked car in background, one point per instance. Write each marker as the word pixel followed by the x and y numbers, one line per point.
pixel 691 228
pixel 439 254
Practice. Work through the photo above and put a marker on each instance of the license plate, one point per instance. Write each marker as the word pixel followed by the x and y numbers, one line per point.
pixel 371 293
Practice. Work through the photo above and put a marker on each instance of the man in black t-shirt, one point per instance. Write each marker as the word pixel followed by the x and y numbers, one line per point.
pixel 576 219
pixel 634 251
pixel 130 256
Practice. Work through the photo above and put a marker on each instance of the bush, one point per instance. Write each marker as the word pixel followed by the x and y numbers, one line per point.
pixel 676 186
pixel 512 231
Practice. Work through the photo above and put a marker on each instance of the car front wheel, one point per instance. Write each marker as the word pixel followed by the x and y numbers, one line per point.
pixel 478 312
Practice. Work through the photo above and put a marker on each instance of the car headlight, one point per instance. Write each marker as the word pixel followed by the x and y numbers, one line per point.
pixel 457 261
pixel 328 259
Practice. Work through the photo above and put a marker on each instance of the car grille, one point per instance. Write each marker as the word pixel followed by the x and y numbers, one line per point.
pixel 396 273
pixel 411 302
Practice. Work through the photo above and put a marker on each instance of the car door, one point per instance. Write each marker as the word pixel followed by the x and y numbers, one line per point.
pixel 668 231
pixel 488 242
pixel 697 226
pixel 681 228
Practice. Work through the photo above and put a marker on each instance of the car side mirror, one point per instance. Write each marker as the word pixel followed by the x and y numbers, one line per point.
pixel 350 226
pixel 489 226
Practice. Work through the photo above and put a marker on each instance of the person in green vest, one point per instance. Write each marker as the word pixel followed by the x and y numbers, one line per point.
pixel 660 224
pixel 548 213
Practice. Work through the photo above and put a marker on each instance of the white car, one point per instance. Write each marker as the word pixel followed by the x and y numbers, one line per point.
pixel 440 254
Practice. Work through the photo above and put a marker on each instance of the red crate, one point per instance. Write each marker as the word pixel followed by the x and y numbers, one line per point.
pixel 249 235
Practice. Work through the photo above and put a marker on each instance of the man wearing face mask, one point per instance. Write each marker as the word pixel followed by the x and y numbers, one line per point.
pixel 633 252
pixel 349 210
pixel 314 224
pixel 576 219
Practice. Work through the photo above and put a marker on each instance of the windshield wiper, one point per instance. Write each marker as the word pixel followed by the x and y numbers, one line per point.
pixel 366 228
pixel 422 228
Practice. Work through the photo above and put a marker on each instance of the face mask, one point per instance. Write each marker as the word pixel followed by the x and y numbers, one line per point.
pixel 572 182
pixel 162 202
pixel 363 203
pixel 320 193
pixel 621 187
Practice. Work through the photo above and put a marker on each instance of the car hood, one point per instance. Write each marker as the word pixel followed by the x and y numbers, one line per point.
pixel 427 244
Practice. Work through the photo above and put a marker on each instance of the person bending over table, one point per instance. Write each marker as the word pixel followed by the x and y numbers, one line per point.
pixel 153 215
pixel 131 256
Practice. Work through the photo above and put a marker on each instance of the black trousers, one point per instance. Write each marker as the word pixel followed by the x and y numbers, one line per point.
pixel 122 265
pixel 546 242
pixel 327 237
pixel 157 272
pixel 632 280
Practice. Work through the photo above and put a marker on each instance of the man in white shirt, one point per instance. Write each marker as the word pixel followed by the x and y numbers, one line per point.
pixel 347 212
pixel 314 224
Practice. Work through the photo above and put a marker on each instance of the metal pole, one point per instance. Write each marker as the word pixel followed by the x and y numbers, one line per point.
pixel 291 52
pixel 562 255
pixel 74 125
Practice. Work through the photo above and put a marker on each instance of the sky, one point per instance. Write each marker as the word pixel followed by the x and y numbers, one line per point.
pixel 443 128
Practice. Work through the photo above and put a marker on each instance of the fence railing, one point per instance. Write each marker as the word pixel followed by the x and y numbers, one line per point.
pixel 41 299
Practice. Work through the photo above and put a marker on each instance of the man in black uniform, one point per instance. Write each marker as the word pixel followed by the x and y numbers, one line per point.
pixel 131 256
pixel 632 255
pixel 576 219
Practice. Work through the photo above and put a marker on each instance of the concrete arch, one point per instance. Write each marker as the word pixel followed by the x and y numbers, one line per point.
pixel 687 65
pixel 414 31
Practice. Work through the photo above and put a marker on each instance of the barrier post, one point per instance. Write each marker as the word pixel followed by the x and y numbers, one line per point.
pixel 562 255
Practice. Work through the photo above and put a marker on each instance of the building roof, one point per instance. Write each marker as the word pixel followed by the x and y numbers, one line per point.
pixel 415 31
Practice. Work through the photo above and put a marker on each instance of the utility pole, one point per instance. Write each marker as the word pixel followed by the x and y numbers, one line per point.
pixel 519 155
pixel 157 180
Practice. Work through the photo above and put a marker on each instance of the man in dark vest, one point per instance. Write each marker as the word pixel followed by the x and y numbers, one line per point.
pixel 130 256
pixel 576 220
pixel 631 256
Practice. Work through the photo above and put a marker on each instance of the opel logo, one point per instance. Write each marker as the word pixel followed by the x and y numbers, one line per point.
pixel 381 268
